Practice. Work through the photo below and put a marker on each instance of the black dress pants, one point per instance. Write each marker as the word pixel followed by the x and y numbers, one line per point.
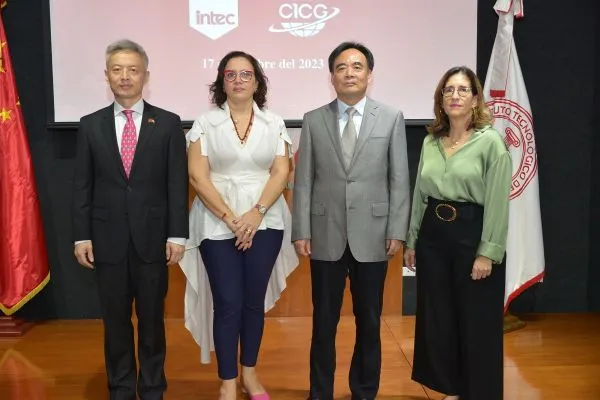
pixel 119 285
pixel 366 284
pixel 458 335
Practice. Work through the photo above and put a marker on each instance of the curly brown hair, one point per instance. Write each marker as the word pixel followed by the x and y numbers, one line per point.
pixel 218 95
pixel 481 113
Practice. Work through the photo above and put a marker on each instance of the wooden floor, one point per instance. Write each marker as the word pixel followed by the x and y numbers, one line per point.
pixel 553 357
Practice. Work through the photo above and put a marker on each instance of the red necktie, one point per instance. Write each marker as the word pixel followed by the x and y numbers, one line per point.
pixel 128 142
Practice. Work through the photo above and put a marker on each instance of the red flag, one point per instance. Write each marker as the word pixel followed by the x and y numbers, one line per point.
pixel 24 267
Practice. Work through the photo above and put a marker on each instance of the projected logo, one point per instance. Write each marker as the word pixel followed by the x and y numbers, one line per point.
pixel 303 19
pixel 212 18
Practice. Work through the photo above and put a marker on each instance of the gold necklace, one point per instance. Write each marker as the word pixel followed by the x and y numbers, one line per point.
pixel 456 143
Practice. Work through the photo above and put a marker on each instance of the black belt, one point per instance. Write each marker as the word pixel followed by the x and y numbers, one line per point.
pixel 449 211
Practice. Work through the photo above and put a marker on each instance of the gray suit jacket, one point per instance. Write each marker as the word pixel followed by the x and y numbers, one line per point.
pixel 363 205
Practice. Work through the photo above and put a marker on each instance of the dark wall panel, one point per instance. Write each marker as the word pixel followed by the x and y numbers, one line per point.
pixel 594 270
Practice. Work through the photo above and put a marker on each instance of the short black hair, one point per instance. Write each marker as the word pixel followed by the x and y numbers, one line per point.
pixel 351 45
pixel 218 96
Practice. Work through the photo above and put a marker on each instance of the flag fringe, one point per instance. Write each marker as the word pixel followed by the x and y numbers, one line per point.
pixel 11 310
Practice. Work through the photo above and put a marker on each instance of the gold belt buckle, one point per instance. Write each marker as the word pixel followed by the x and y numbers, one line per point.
pixel 450 207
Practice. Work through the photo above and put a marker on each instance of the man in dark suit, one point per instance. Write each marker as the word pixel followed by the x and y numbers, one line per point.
pixel 350 214
pixel 130 194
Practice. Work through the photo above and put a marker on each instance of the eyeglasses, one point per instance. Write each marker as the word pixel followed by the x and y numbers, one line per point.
pixel 230 75
pixel 463 91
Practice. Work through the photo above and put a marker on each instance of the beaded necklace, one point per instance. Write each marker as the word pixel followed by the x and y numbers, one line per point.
pixel 243 138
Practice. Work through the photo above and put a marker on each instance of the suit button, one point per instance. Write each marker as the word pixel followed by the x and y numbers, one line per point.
pixel 129 188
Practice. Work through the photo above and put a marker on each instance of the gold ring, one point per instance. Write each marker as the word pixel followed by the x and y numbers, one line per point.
pixel 249 230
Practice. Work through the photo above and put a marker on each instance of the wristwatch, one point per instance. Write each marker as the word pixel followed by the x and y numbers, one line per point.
pixel 262 210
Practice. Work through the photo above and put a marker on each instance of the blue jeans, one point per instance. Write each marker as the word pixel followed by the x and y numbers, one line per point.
pixel 238 281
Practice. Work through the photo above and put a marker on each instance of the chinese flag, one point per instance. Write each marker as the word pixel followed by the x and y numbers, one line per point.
pixel 24 267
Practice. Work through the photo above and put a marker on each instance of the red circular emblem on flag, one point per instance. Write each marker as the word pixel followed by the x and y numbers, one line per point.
pixel 516 125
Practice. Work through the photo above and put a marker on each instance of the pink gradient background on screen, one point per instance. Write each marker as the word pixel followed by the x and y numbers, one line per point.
pixel 413 43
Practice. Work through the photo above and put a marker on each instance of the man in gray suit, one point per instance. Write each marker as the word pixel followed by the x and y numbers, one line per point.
pixel 350 215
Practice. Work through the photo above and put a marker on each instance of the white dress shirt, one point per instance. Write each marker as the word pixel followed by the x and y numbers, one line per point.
pixel 357 118
pixel 121 119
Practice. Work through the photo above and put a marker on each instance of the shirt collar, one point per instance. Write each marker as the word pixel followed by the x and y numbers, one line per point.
pixel 218 115
pixel 137 108
pixel 360 106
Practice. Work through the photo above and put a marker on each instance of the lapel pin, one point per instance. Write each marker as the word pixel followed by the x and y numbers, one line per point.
pixel 150 120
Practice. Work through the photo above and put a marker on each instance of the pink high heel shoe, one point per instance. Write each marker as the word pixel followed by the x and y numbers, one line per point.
pixel 260 396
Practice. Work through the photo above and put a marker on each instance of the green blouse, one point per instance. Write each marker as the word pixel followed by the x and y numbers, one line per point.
pixel 479 172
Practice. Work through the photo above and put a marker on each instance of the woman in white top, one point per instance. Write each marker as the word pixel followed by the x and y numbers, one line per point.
pixel 238 161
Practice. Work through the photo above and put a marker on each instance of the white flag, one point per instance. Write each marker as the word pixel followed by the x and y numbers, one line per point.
pixel 507 99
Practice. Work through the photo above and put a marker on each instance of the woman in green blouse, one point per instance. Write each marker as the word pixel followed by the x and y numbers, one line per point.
pixel 456 241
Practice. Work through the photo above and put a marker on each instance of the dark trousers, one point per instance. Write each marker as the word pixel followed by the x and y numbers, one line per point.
pixel 458 336
pixel 366 284
pixel 119 284
pixel 238 281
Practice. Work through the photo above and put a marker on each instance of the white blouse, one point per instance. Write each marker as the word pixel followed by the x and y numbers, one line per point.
pixel 239 172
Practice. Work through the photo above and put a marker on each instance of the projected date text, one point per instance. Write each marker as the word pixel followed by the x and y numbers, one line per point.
pixel 283 63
